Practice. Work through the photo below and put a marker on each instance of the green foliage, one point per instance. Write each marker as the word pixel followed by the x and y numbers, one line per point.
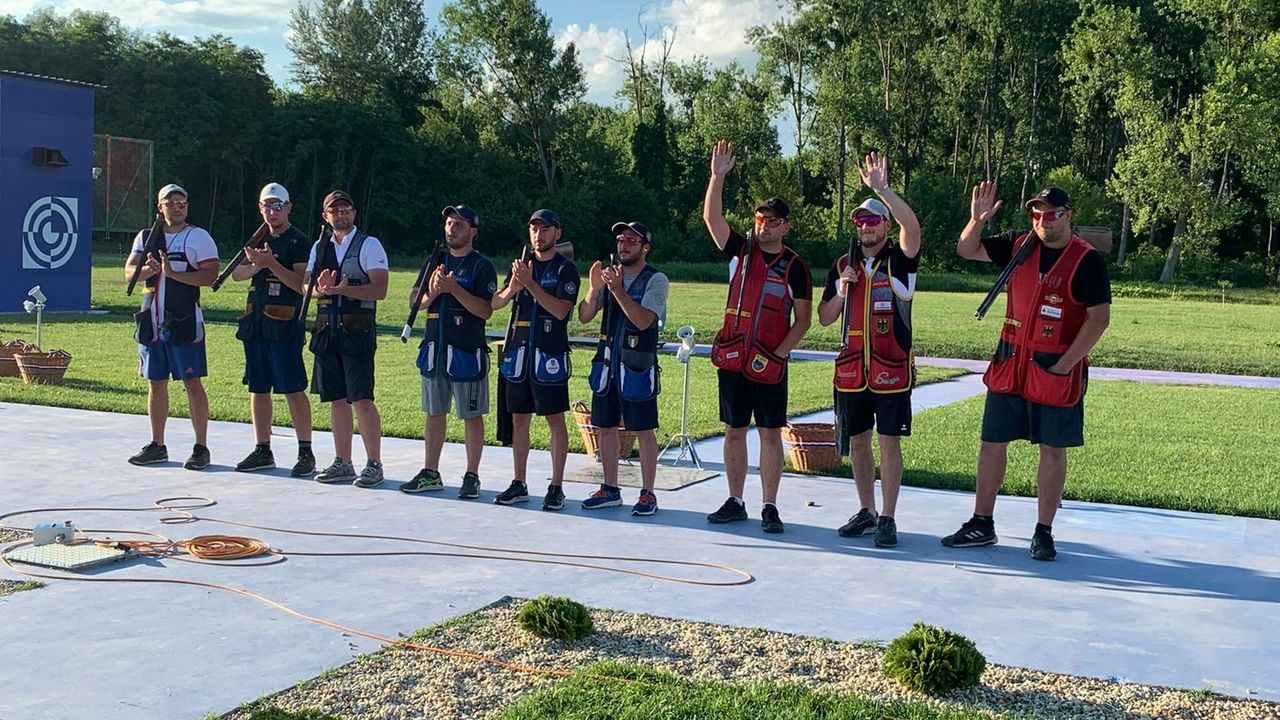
pixel 556 617
pixel 274 713
pixel 933 660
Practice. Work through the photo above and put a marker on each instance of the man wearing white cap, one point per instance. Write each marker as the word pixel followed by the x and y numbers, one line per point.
pixel 271 332
pixel 170 325
pixel 871 290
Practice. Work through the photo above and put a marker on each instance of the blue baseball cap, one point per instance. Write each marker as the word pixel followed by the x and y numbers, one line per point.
pixel 464 212
pixel 546 217
pixel 638 228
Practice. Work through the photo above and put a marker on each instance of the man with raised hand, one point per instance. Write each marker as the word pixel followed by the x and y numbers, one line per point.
pixel 170 325
pixel 453 358
pixel 272 334
pixel 1057 307
pixel 624 372
pixel 768 311
pixel 871 293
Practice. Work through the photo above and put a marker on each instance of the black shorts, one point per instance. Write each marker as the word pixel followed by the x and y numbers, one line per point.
pixel 608 410
pixel 1011 417
pixel 530 398
pixel 337 376
pixel 741 397
pixel 888 413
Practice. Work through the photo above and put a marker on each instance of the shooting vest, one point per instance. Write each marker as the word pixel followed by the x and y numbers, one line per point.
pixel 877 351
pixel 335 306
pixel 748 337
pixel 534 326
pixel 448 322
pixel 267 293
pixel 180 299
pixel 626 352
pixel 1042 318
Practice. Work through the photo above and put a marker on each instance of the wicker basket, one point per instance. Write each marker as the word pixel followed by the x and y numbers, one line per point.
pixel 9 366
pixel 812 446
pixel 47 368
pixel 591 433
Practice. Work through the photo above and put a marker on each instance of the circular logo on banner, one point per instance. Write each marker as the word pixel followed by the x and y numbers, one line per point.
pixel 49 233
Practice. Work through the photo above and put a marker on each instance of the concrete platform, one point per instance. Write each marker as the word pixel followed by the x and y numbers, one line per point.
pixel 1142 595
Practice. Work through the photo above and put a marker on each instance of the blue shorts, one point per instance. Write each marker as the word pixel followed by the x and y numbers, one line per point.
pixel 162 360
pixel 607 410
pixel 274 366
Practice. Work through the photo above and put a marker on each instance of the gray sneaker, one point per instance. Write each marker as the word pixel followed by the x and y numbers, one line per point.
pixel 371 476
pixel 339 471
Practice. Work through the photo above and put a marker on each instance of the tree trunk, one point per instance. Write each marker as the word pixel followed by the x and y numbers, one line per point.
pixel 1171 260
pixel 842 154
pixel 1125 222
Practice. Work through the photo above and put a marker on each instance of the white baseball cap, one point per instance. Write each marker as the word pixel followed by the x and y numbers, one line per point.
pixel 273 190
pixel 168 190
pixel 873 206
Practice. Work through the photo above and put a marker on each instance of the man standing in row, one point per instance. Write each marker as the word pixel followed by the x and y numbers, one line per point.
pixel 875 369
pixel 769 310
pixel 170 325
pixel 1057 307
pixel 454 355
pixel 624 373
pixel 536 363
pixel 272 334
pixel 352 278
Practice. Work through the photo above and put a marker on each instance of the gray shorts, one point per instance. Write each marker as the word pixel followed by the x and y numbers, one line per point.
pixel 439 391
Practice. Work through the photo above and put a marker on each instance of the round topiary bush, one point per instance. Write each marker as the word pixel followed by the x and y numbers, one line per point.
pixel 556 617
pixel 933 660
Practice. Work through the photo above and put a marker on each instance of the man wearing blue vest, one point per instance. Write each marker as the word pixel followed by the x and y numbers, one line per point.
pixel 624 372
pixel 352 279
pixel 535 362
pixel 454 357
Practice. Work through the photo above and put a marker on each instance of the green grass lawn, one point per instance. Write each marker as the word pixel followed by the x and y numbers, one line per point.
pixel 656 695
pixel 1200 448
pixel 1154 333
pixel 103 376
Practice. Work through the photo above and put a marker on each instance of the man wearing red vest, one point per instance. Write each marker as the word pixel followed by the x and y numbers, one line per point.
pixel 1058 306
pixel 769 310
pixel 875 370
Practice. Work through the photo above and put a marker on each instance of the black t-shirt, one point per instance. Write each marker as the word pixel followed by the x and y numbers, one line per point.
pixel 901 267
pixel 1091 285
pixel 483 286
pixel 798 275
pixel 291 248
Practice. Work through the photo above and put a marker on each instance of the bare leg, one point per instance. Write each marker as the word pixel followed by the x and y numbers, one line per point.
pixel 157 408
pixel 993 459
pixel 198 403
pixel 433 438
pixel 1051 478
pixel 260 413
pixel 648 458
pixel 864 469
pixel 473 429
pixel 520 445
pixel 370 429
pixel 770 462
pixel 300 412
pixel 735 459
pixel 609 450
pixel 560 447
pixel 890 472
pixel 340 419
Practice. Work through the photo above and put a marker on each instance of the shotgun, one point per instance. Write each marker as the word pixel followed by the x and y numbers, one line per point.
pixel 433 261
pixel 322 251
pixel 152 246
pixel 258 239
pixel 1017 259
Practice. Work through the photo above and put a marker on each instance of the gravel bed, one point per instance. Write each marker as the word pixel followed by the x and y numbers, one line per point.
pixel 399 684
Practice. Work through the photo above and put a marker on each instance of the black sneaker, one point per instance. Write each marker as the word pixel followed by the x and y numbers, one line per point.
pixel 470 486
pixel 199 459
pixel 886 533
pixel 425 481
pixel 554 499
pixel 516 492
pixel 858 524
pixel 151 454
pixel 260 459
pixel 1042 546
pixel 769 520
pixel 974 533
pixel 730 511
pixel 306 464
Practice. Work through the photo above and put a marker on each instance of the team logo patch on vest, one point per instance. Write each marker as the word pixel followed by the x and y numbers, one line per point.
pixel 882 325
pixel 882 306
pixel 1053 299
pixel 553 366
pixel 546 325
pixel 1047 331
pixel 1050 311
pixel 631 341
pixel 571 287
pixel 457 320
pixel 758 363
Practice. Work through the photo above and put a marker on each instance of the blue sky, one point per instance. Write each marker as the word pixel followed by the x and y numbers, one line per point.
pixel 712 28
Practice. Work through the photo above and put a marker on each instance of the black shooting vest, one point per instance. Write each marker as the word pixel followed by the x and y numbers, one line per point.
pixel 618 332
pixel 448 322
pixel 535 326
pixel 335 306
pixel 180 299
pixel 267 289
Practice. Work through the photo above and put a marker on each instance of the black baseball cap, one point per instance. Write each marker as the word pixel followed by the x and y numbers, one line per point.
pixel 638 227
pixel 1056 197
pixel 546 217
pixel 775 206
pixel 335 196
pixel 464 212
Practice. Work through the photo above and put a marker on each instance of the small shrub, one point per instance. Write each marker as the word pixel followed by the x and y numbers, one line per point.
pixel 556 617
pixel 933 660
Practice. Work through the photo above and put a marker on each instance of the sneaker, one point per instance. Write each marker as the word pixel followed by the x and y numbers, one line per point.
pixel 260 459
pixel 199 459
pixel 886 533
pixel 516 492
pixel 425 481
pixel 306 464
pixel 646 505
pixel 554 499
pixel 858 524
pixel 339 471
pixel 769 520
pixel 371 476
pixel 730 511
pixel 153 453
pixel 1042 546
pixel 470 486
pixel 974 533
pixel 606 496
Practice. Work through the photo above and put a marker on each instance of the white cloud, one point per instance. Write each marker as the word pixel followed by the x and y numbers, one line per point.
pixel 186 18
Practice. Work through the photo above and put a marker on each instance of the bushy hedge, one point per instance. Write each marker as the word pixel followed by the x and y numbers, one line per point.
pixel 933 660
pixel 556 617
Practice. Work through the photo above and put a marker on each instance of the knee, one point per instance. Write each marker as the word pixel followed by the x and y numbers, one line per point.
pixel 735 434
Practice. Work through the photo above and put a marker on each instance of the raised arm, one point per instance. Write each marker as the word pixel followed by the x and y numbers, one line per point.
pixel 713 204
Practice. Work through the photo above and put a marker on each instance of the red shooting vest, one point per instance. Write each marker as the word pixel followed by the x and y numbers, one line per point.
pixel 1041 316
pixel 872 357
pixel 748 338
